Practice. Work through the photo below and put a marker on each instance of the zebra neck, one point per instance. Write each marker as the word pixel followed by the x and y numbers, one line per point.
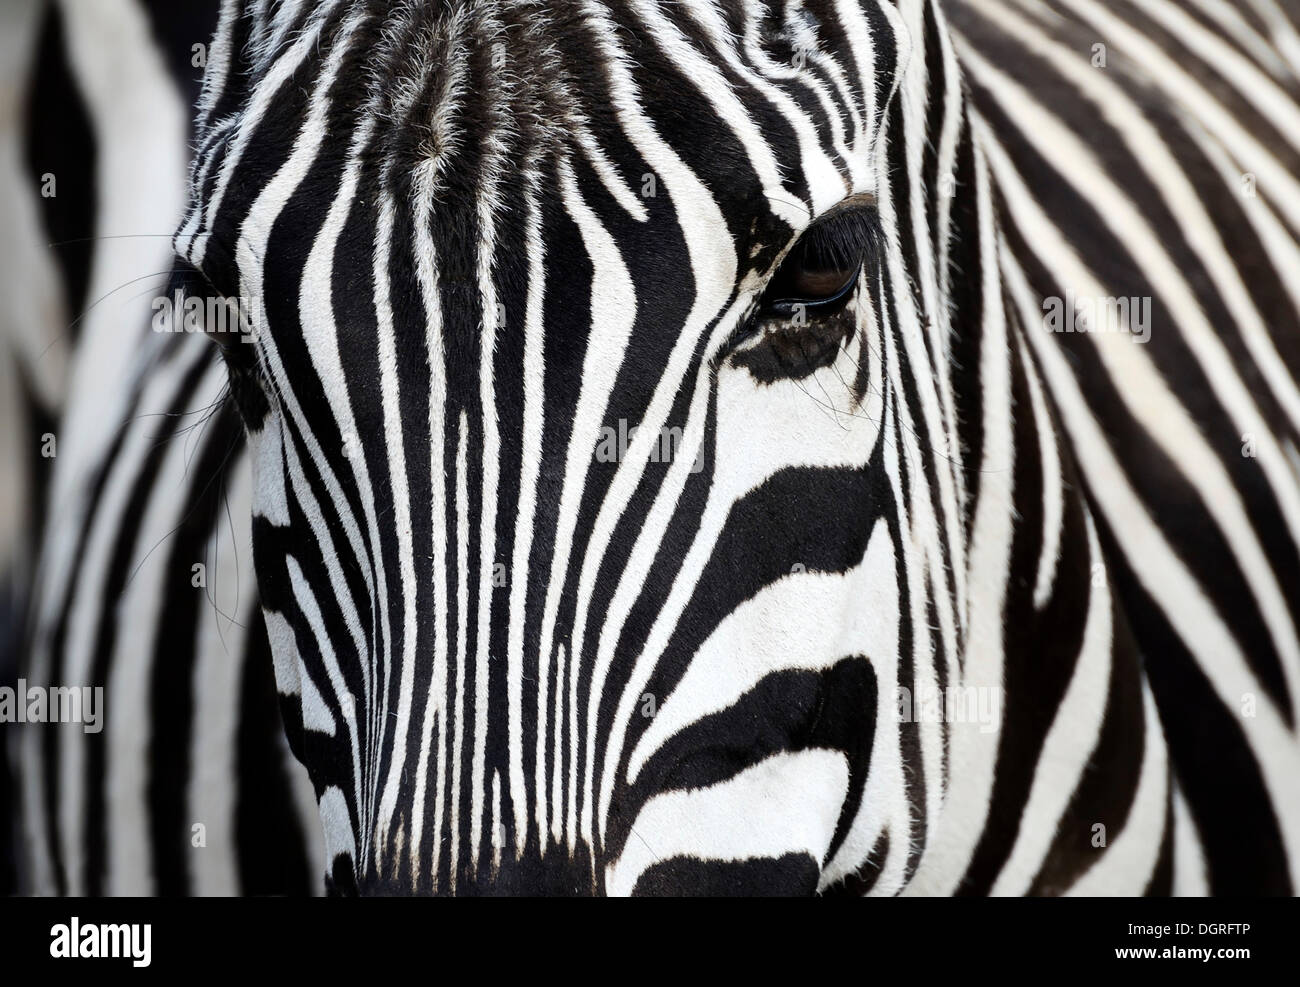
pixel 1039 635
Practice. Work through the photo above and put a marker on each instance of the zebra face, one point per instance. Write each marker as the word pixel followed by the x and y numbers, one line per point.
pixel 581 417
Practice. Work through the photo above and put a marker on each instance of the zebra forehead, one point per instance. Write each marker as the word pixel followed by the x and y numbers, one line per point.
pixel 442 77
pixel 459 91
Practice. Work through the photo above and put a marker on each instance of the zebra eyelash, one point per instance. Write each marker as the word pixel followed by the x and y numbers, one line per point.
pixel 847 237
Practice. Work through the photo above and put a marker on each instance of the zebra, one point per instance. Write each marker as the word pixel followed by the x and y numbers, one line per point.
pixel 959 577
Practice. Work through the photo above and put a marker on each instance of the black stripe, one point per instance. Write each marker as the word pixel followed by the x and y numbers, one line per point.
pixel 60 141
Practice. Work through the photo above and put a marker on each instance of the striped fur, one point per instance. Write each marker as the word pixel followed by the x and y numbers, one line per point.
pixel 1176 164
pixel 148 481
pixel 474 235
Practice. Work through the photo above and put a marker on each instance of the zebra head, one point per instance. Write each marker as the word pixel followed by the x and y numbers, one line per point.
pixel 613 437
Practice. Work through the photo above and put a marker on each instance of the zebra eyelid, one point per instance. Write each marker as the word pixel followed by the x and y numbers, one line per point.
pixel 859 200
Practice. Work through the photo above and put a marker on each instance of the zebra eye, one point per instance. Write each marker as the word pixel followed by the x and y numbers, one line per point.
pixel 812 282
pixel 822 269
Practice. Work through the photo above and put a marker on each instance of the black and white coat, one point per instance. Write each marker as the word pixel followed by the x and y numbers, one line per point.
pixel 471 239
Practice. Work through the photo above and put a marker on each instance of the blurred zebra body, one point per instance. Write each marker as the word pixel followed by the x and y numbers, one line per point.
pixel 144 469
pixel 709 673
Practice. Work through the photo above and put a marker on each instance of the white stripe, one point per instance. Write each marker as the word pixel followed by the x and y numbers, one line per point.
pixel 1070 744
pixel 139 124
pixel 460 705
pixel 530 465
pixel 973 753
pixel 1131 857
pixel 1049 456
pixel 490 466
pixel 219 658
pixel 1190 875
pixel 424 259
pixel 788 803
